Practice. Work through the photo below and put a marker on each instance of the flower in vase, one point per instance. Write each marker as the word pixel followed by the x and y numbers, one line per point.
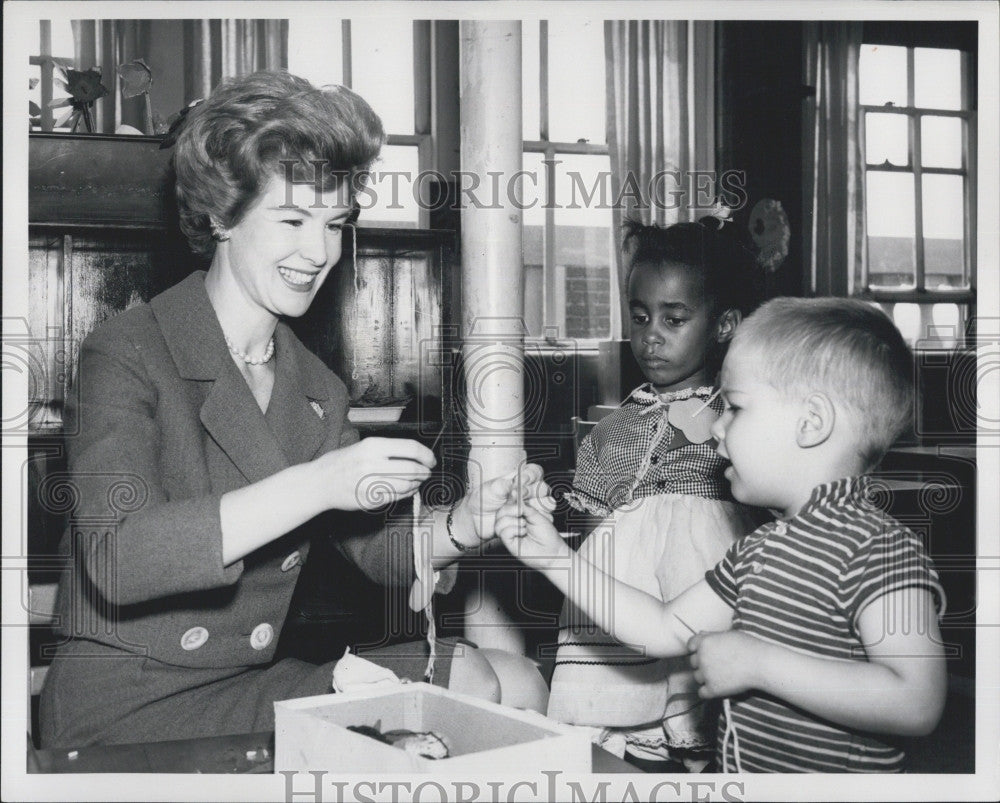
pixel 84 87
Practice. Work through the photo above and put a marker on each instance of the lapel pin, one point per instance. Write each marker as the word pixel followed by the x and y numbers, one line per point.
pixel 319 410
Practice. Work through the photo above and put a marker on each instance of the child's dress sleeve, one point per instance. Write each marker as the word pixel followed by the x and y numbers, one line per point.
pixel 590 482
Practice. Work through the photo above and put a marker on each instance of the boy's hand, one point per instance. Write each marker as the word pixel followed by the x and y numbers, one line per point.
pixel 526 529
pixel 726 663
pixel 484 502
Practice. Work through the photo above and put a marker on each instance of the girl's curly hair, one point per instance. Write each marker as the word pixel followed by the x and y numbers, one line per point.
pixel 733 279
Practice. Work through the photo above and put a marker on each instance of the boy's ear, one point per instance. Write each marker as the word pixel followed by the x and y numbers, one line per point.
pixel 815 424
pixel 725 327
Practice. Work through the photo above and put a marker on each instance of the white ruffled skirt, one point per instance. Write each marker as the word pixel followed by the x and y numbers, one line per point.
pixel 661 545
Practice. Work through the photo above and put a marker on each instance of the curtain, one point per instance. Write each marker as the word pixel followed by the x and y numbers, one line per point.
pixel 211 50
pixel 218 49
pixel 648 123
pixel 834 185
pixel 110 43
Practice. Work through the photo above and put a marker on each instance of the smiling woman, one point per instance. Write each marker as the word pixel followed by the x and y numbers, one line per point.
pixel 278 255
pixel 219 446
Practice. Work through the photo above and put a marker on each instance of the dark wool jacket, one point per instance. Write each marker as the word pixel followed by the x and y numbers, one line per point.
pixel 161 425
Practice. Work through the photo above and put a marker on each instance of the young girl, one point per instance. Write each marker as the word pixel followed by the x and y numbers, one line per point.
pixel 650 471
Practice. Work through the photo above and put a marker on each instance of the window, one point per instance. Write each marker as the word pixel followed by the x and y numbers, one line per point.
pixel 55 46
pixel 376 58
pixel 567 245
pixel 918 132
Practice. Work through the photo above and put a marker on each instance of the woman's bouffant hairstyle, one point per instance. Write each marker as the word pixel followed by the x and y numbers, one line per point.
pixel 234 142
pixel 843 347
pixel 733 279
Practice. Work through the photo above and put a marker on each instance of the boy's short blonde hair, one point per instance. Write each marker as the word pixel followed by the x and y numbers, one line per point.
pixel 843 347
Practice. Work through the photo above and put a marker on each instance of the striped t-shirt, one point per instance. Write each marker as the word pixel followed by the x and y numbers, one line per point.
pixel 803 583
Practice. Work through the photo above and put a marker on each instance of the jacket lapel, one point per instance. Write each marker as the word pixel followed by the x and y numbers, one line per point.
pixel 298 410
pixel 231 416
pixel 229 413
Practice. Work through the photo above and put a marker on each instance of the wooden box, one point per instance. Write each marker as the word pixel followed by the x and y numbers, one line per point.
pixel 311 734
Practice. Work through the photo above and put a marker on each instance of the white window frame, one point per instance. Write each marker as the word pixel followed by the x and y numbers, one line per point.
pixel 423 136
pixel 701 139
pixel 964 298
pixel 553 280
pixel 46 62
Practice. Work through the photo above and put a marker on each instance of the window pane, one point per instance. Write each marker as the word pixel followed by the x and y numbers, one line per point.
pixel 576 81
pixel 891 229
pixel 530 190
pixel 937 78
pixel 35 92
pixel 946 328
pixel 63 43
pixel 907 320
pixel 532 198
pixel 529 80
pixel 928 326
pixel 389 200
pixel 382 69
pixel 315 49
pixel 887 139
pixel 882 75
pixel 583 244
pixel 534 292
pixel 944 232
pixel 62 46
pixel 941 142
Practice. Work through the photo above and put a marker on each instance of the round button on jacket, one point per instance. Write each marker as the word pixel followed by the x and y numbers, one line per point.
pixel 194 638
pixel 261 636
pixel 291 561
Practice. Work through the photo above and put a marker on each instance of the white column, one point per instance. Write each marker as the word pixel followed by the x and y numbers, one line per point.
pixel 492 288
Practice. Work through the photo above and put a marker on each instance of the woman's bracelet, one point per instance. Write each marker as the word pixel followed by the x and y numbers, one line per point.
pixel 451 536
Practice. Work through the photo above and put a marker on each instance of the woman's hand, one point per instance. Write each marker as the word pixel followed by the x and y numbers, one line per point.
pixel 372 473
pixel 484 502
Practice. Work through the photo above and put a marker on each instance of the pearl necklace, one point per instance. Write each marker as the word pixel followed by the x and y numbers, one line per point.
pixel 268 353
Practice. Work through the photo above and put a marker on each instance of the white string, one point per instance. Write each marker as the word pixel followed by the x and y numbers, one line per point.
pixel 730 731
pixel 429 608
pixel 431 641
pixel 357 301
pixel 708 401
pixel 730 727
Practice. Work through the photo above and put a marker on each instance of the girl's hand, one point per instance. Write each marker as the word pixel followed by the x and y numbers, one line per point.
pixel 726 663
pixel 526 529
pixel 372 473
